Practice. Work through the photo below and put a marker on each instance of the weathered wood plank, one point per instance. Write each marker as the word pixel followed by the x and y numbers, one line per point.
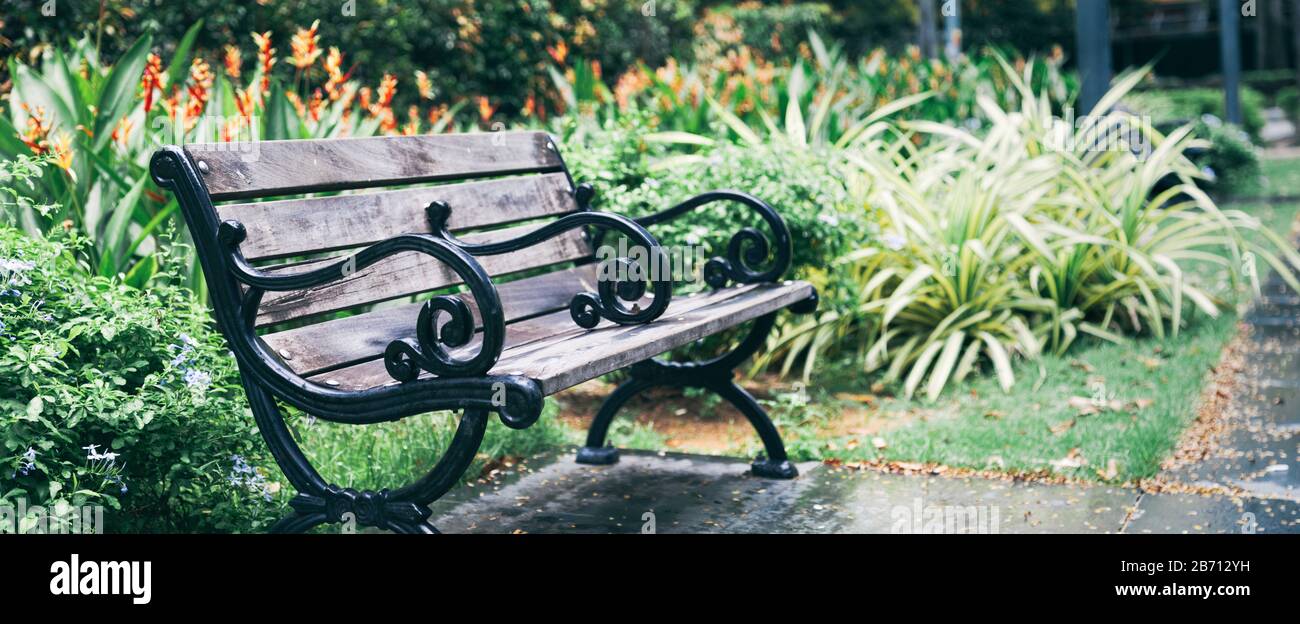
pixel 261 168
pixel 341 342
pixel 279 229
pixel 411 273
pixel 567 355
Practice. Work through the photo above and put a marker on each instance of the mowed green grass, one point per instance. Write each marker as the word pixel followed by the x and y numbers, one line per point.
pixel 1157 385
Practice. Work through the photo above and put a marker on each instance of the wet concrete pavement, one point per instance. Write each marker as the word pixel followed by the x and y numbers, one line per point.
pixel 1256 459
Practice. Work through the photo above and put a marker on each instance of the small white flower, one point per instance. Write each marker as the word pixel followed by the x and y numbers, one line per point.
pixel 197 379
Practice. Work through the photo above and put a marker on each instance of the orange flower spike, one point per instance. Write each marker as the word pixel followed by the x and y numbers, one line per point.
pixel 151 80
pixel 387 88
pixel 424 85
pixel 485 109
pixel 412 126
pixel 334 71
pixel 559 52
pixel 37 130
pixel 317 105
pixel 199 90
pixel 265 57
pixel 63 153
pixel 298 106
pixel 530 106
pixel 234 61
pixel 365 98
pixel 122 131
pixel 305 46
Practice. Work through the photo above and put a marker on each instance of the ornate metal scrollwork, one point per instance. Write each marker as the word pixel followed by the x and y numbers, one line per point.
pixel 403 359
pixel 747 248
pixel 620 280
pixel 368 508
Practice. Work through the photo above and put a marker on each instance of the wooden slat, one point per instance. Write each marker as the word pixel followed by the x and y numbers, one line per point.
pixel 341 342
pixel 411 273
pixel 279 229
pixel 559 354
pixel 236 171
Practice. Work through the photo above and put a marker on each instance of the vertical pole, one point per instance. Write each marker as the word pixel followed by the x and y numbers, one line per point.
pixel 1295 33
pixel 928 38
pixel 1092 32
pixel 1230 52
pixel 952 28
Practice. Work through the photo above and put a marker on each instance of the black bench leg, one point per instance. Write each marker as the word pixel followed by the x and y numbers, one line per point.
pixel 405 510
pixel 715 375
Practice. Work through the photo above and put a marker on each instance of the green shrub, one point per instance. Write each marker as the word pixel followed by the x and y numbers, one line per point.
pixel 1185 105
pixel 635 178
pixel 123 398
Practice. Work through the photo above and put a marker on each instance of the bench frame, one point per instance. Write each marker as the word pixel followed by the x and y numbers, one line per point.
pixel 236 288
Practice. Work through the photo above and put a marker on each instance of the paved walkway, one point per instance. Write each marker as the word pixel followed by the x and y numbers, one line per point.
pixel 1255 460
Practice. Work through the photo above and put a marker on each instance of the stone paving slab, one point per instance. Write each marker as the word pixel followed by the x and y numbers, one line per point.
pixel 1189 513
pixel 696 494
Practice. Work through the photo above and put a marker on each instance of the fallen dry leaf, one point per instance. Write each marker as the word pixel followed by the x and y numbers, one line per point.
pixel 1111 471
pixel 879 442
pixel 1071 460
pixel 869 399
pixel 1062 427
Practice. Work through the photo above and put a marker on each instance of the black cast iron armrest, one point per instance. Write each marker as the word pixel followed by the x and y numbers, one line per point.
pixel 747 248
pixel 619 280
pixel 403 359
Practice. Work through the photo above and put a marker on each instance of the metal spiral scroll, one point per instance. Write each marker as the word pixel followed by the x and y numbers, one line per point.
pixel 747 249
pixel 404 359
pixel 587 308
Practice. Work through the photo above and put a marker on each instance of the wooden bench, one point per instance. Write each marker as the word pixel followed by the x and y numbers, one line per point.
pixel 483 296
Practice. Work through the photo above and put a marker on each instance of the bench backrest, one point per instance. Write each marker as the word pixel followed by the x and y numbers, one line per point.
pixel 522 179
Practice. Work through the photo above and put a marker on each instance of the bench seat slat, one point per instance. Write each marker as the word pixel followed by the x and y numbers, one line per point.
pixel 411 273
pixel 279 229
pixel 263 168
pixel 346 341
pixel 559 354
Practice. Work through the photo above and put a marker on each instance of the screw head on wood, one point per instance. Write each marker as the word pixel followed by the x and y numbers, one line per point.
pixel 203 167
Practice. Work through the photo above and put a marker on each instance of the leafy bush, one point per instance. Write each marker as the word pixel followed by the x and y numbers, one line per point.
pixel 466 48
pixel 636 178
pixel 1024 237
pixel 1186 105
pixel 119 397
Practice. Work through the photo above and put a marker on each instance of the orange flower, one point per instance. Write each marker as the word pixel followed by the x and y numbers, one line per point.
pixel 199 90
pixel 387 88
pixel 234 61
pixel 317 105
pixel 485 109
pixel 365 98
pixel 559 52
pixel 334 69
pixel 153 79
pixel 305 47
pixel 244 103
pixel 230 129
pixel 595 69
pixel 387 121
pixel 265 58
pixel 424 85
pixel 62 150
pixel 436 113
pixel 298 106
pixel 37 129
pixel 122 132
pixel 530 106
pixel 412 126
